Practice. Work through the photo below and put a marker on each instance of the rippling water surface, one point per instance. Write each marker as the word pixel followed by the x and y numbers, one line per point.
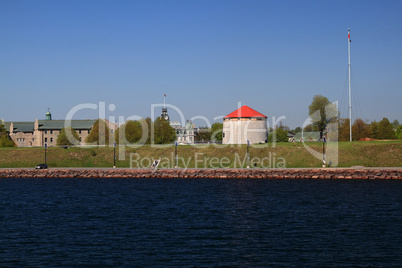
pixel 200 222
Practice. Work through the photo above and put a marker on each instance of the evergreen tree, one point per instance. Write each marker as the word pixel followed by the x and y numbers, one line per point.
pixel 99 133
pixel 68 136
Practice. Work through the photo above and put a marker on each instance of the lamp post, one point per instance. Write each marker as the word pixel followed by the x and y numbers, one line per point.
pixel 324 140
pixel 45 154
pixel 248 153
pixel 175 154
pixel 114 155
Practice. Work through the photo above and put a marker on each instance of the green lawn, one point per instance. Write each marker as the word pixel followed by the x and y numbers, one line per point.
pixel 368 154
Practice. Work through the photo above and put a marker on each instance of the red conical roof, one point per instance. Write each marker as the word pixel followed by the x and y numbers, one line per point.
pixel 245 111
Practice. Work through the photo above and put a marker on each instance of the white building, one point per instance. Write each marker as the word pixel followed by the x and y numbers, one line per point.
pixel 244 124
pixel 184 134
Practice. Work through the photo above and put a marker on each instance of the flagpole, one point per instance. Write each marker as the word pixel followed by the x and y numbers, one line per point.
pixel 350 95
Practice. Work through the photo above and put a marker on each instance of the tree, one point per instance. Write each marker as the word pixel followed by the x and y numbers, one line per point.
pixel 386 130
pixel 395 124
pixel 146 127
pixel 360 130
pixel 99 133
pixel 164 133
pixel 308 128
pixel 281 135
pixel 297 130
pixel 5 140
pixel 203 134
pixel 68 136
pixel 322 112
pixel 374 130
pixel 399 132
pixel 130 132
pixel 344 129
pixel 216 132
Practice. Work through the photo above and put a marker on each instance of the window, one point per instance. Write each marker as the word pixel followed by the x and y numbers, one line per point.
pixel 45 131
pixel 45 139
pixel 51 140
pixel 51 131
pixel 88 131
pixel 223 134
pixel 111 131
pixel 79 131
pixel 33 139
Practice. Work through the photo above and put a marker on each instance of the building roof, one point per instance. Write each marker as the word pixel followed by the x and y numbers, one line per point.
pixel 20 126
pixel 245 112
pixel 59 124
pixel 49 125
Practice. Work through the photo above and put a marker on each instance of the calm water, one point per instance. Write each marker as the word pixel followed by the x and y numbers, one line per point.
pixel 200 222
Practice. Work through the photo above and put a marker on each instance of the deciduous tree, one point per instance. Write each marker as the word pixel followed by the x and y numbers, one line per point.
pixel 360 130
pixel 344 129
pixel 385 129
pixel 99 133
pixel 5 140
pixel 130 132
pixel 278 135
pixel 68 136
pixel 164 133
pixel 203 134
pixel 399 132
pixel 216 132
pixel 322 112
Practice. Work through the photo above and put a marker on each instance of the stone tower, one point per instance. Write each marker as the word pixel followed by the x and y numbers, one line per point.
pixel 244 124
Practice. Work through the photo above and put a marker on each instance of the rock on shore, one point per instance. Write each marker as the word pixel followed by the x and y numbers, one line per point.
pixel 302 173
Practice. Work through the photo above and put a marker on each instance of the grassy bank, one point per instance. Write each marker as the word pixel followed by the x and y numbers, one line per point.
pixel 368 154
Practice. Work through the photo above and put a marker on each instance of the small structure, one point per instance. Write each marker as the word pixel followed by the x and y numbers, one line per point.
pixel 306 137
pixel 186 134
pixel 244 124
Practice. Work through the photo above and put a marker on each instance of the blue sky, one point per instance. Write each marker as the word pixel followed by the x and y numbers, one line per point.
pixel 206 56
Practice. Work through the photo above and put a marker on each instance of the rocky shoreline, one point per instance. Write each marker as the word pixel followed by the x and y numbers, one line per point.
pixel 294 173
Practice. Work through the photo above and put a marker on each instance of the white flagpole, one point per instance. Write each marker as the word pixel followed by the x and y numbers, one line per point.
pixel 350 95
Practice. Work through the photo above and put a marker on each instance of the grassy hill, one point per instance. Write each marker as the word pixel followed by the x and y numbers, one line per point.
pixel 368 154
